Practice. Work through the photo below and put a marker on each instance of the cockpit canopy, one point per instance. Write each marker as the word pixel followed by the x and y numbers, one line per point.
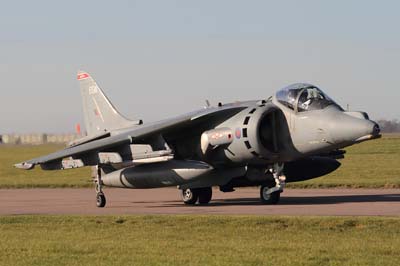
pixel 304 97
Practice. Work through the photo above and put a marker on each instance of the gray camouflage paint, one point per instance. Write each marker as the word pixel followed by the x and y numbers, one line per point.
pixel 214 145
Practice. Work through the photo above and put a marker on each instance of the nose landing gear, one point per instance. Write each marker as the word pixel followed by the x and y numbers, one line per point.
pixel 272 194
pixel 268 197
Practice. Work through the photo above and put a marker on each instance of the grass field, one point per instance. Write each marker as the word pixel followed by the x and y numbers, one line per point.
pixel 16 178
pixel 198 240
pixel 370 164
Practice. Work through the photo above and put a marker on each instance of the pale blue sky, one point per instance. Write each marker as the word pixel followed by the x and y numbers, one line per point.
pixel 156 59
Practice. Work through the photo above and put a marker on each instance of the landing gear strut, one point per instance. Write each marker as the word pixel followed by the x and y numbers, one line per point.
pixel 272 194
pixel 191 195
pixel 98 186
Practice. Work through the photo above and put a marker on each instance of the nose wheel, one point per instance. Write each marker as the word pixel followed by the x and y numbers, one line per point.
pixel 98 185
pixel 272 194
pixel 268 196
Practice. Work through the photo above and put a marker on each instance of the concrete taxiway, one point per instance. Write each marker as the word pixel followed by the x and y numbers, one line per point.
pixel 319 202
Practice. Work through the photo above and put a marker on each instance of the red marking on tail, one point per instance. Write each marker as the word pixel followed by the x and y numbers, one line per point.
pixel 78 129
pixel 83 76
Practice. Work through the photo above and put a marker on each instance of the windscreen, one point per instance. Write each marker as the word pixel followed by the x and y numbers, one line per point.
pixel 288 96
pixel 312 98
pixel 303 97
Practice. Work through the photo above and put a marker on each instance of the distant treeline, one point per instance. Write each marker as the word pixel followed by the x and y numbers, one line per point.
pixel 389 126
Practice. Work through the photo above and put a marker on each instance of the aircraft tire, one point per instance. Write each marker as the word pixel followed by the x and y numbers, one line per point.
pixel 100 200
pixel 205 195
pixel 270 199
pixel 189 196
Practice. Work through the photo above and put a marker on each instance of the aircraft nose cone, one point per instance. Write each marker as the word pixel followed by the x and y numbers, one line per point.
pixel 376 130
pixel 347 129
pixel 366 130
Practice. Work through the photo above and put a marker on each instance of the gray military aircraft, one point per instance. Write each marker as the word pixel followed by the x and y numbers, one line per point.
pixel 295 135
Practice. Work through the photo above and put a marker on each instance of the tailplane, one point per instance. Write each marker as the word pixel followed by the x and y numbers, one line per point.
pixel 99 114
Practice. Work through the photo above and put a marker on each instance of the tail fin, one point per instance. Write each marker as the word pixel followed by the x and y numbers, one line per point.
pixel 99 113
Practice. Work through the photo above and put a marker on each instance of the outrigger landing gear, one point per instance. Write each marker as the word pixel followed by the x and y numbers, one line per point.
pixel 100 198
pixel 272 194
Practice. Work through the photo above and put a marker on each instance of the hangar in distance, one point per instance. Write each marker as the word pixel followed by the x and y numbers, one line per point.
pixel 297 134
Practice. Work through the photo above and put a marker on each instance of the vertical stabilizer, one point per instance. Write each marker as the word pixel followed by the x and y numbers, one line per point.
pixel 99 113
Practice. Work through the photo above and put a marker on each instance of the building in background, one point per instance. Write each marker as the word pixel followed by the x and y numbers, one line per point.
pixel 37 139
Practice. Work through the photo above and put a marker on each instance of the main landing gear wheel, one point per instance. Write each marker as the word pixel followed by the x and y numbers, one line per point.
pixel 205 195
pixel 269 198
pixel 191 195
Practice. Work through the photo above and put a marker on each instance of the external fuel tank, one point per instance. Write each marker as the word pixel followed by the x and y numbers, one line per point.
pixel 171 173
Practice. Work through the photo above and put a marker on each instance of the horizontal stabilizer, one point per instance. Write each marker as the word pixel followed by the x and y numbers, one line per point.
pixel 88 139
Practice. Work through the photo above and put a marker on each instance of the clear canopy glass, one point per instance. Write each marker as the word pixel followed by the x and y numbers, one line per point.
pixel 303 97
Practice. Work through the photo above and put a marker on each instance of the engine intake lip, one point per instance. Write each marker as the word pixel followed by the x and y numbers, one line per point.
pixel 266 134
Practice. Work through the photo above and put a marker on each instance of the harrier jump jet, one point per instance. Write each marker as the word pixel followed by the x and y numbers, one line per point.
pixel 295 135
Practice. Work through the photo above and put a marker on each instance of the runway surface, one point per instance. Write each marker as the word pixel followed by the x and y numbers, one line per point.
pixel 326 202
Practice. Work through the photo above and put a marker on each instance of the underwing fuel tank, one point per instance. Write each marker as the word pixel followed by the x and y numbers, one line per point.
pixel 171 173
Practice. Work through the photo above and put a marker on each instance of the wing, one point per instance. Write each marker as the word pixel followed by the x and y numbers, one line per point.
pixel 83 152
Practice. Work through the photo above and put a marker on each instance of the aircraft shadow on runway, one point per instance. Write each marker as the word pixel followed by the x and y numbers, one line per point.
pixel 315 200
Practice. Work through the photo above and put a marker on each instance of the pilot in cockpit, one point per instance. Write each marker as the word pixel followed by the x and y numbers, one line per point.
pixel 304 97
pixel 313 99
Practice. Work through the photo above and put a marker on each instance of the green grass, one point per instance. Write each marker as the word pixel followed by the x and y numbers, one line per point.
pixel 198 240
pixel 367 165
pixel 370 164
pixel 11 177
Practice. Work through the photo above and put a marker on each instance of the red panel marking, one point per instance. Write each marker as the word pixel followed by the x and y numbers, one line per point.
pixel 238 133
pixel 83 76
